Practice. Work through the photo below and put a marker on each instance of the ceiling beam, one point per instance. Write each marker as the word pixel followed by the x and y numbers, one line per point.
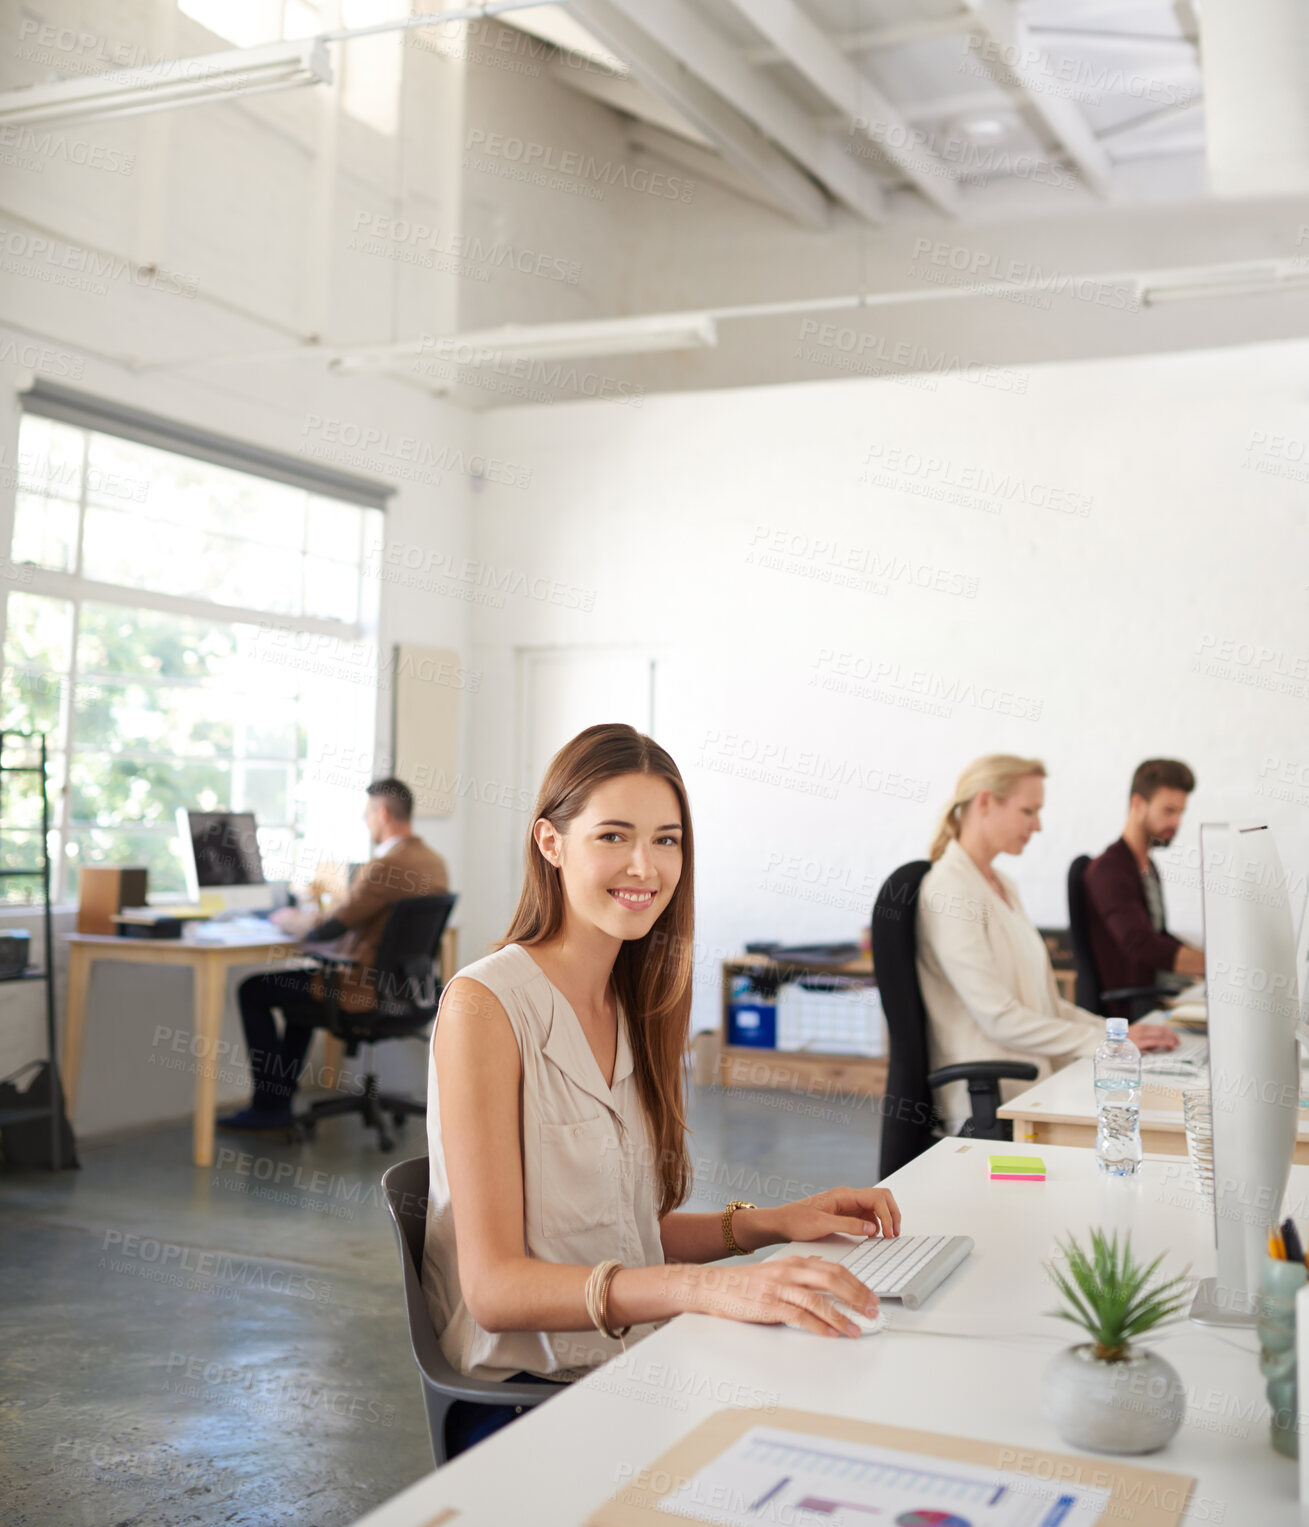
pixel 1021 59
pixel 1117 40
pixel 646 137
pixel 629 96
pixel 863 106
pixel 737 139
pixel 1149 119
pixel 675 27
pixel 870 39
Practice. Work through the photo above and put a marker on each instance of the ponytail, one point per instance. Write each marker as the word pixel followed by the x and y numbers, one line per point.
pixel 946 828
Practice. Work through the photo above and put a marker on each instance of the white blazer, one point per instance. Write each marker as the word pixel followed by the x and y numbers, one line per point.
pixel 987 982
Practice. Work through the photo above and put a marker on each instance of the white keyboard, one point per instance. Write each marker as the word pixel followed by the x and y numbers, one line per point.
pixel 1190 1056
pixel 239 931
pixel 906 1267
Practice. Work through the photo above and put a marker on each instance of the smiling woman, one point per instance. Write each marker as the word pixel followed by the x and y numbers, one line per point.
pixel 556 1122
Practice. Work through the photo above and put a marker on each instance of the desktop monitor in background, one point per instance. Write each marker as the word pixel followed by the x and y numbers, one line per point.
pixel 220 854
pixel 1252 992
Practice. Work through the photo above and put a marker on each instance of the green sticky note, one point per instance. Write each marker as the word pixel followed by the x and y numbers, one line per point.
pixel 1017 1166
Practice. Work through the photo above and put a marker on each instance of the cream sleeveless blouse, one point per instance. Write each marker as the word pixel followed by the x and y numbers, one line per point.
pixel 590 1190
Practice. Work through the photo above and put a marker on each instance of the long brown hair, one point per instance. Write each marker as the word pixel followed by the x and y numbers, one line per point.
pixel 652 975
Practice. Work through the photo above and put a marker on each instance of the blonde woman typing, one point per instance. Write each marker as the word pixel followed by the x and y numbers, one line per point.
pixel 556 1126
pixel 984 970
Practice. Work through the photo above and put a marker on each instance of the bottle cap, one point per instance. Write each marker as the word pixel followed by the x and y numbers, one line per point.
pixel 1115 1028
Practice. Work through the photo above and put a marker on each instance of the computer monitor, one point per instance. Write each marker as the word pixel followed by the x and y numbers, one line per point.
pixel 220 855
pixel 1252 992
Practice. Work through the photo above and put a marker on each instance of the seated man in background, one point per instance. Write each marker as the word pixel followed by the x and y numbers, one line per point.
pixel 404 866
pixel 1124 896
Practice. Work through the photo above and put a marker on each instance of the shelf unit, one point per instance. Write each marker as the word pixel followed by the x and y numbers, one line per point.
pixel 796 1070
pixel 45 973
pixel 806 1070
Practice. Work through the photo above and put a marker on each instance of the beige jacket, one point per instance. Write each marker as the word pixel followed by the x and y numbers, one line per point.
pixel 987 982
pixel 408 868
pixel 590 1190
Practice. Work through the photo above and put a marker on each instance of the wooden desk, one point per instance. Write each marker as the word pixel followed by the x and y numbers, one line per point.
pixel 1061 1111
pixel 209 964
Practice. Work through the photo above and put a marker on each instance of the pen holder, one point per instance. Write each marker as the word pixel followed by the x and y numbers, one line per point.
pixel 1278 1284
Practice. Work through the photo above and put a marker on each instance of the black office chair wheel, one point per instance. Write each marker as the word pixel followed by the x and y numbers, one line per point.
pixel 399 1119
pixel 385 1142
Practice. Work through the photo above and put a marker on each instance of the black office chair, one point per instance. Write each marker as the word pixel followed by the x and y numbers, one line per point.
pixel 1136 999
pixel 407 997
pixel 405 1186
pixel 910 1123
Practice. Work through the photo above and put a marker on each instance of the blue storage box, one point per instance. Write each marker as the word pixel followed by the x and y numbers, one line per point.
pixel 752 1021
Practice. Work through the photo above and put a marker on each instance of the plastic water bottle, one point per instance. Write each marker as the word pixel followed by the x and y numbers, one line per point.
pixel 1118 1102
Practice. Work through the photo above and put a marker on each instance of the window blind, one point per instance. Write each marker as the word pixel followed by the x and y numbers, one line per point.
pixel 50 401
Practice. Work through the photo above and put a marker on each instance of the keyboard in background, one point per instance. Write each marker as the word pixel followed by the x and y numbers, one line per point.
pixel 1192 993
pixel 237 931
pixel 906 1267
pixel 1190 1057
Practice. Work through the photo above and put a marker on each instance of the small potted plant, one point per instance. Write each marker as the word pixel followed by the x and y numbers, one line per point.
pixel 1107 1394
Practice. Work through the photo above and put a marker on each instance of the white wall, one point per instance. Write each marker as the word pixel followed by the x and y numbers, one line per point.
pixel 222 199
pixel 1079 633
pixel 634 524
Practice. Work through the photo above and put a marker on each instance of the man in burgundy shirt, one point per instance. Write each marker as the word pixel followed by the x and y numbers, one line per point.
pixel 1124 898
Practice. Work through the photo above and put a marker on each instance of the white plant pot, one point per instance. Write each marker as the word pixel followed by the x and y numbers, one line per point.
pixel 1132 1406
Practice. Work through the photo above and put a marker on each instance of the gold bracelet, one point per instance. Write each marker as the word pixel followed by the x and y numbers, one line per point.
pixel 729 1240
pixel 596 1295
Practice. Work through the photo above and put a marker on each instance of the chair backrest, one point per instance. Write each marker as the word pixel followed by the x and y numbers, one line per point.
pixel 407 954
pixel 1088 978
pixel 405 1186
pixel 907 1111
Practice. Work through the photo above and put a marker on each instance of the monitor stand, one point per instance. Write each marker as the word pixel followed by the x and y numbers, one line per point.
pixel 1207 1309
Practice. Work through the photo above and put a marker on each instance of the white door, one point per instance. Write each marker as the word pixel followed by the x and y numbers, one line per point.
pixel 563 690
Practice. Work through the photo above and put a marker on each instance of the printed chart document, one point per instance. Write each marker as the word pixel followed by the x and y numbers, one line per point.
pixel 796 1479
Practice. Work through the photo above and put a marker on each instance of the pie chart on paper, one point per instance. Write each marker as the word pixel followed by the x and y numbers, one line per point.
pixel 931 1519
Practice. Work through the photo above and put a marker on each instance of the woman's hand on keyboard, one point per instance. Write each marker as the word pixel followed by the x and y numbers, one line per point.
pixel 1152 1036
pixel 849 1211
pixel 792 1291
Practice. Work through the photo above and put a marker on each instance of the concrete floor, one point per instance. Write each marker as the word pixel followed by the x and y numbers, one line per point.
pixel 181 1345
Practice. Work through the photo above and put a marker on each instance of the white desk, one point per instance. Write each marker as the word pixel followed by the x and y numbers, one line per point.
pixel 1061 1111
pixel 969 1362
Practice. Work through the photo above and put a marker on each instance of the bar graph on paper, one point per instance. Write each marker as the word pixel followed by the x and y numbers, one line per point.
pixel 771 1477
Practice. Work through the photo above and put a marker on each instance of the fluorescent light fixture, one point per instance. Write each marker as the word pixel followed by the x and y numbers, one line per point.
pixel 548 341
pixel 1229 281
pixel 170 82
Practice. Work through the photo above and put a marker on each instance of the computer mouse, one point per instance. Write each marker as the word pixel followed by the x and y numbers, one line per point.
pixel 868 1325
